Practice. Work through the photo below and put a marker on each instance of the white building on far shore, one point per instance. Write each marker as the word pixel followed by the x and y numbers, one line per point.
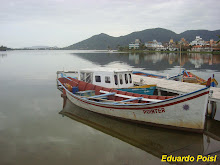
pixel 154 45
pixel 198 41
pixel 135 45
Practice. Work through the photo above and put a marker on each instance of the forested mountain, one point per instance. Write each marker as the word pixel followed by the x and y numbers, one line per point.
pixel 103 41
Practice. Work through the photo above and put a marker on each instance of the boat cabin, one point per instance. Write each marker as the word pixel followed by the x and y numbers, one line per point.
pixel 107 77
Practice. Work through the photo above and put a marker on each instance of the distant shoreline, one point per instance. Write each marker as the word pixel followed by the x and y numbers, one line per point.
pixel 131 51
pixel 152 51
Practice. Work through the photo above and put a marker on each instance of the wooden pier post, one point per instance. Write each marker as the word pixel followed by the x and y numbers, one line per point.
pixel 159 92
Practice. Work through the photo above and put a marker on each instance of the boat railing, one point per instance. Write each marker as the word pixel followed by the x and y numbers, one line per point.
pixel 97 91
pixel 103 97
pixel 132 97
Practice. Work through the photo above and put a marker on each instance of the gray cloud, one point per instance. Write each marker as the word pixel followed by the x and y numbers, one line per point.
pixel 64 22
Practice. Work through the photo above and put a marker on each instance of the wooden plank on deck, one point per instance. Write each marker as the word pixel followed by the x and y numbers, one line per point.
pixel 177 86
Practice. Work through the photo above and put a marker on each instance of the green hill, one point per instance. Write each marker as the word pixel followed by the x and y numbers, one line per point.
pixel 103 41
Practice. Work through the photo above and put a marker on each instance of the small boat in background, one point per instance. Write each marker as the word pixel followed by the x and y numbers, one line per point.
pixel 177 77
pixel 192 78
pixel 184 76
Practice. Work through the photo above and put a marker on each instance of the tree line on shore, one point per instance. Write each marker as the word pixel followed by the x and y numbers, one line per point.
pixel 3 48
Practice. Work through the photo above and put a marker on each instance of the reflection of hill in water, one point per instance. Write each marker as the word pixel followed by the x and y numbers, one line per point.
pixel 156 141
pixel 3 55
pixel 137 61
pixel 156 61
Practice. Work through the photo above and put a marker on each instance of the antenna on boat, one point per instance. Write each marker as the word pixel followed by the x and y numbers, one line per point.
pixel 180 57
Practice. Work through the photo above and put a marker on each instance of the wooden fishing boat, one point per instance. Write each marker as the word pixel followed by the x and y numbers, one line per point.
pixel 185 112
pixel 192 78
pixel 177 77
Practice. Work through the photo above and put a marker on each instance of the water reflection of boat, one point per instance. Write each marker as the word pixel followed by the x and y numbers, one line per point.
pixel 156 141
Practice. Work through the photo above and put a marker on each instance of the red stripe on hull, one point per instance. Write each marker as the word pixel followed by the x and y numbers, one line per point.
pixel 144 108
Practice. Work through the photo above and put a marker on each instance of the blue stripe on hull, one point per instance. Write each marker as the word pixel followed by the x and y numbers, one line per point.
pixel 176 77
pixel 147 91
pixel 213 84
pixel 148 74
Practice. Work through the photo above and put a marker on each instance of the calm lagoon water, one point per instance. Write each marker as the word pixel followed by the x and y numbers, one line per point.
pixel 34 131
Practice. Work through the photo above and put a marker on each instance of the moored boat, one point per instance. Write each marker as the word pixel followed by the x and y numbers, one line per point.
pixel 185 76
pixel 192 78
pixel 185 112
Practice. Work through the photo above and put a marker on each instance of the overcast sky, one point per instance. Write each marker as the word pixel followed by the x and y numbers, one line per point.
pixel 61 23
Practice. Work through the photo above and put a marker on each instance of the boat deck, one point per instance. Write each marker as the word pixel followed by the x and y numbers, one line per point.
pixel 176 86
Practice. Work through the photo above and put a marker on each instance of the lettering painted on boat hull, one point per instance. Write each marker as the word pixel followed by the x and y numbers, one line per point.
pixel 153 111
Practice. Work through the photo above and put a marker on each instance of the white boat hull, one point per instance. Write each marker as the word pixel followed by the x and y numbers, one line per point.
pixel 183 112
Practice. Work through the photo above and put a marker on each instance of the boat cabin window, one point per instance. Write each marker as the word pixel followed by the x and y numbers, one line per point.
pixel 130 78
pixel 116 79
pixel 107 79
pixel 86 76
pixel 120 79
pixel 89 77
pixel 97 78
pixel 126 78
pixel 82 76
